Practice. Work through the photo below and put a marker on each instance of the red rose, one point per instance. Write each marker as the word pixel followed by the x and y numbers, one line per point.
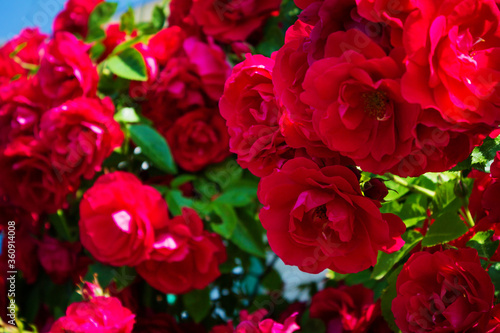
pixel 29 179
pixel 357 105
pixel 495 166
pixel 99 314
pixel 252 116
pixel 66 70
pixel 348 309
pixel 228 21
pixel 452 47
pixel 375 189
pixel 185 256
pixel 74 17
pixel 490 202
pixel 58 258
pixel 21 106
pixel 114 37
pixel 165 43
pixel 198 138
pixel 255 323
pixel 317 218
pixel 121 208
pixel 445 291
pixel 193 77
pixel 81 133
pixel 19 53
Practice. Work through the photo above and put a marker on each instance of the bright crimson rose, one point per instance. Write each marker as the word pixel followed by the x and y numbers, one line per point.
pixel 317 218
pixel 29 179
pixel 66 70
pixel 226 21
pixel 185 256
pixel 252 116
pixel 13 57
pixel 81 133
pixel 99 314
pixel 165 43
pixel 348 309
pixel 74 17
pixel 198 138
pixel 121 208
pixel 446 291
pixel 452 47
pixel 58 258
pixel 357 106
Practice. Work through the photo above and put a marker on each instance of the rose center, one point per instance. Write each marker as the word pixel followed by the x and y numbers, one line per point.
pixel 375 103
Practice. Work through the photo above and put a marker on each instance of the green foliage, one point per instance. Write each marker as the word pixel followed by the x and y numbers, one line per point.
pixel 386 300
pixel 154 146
pixel 482 242
pixel 129 65
pixel 197 303
pixel 447 226
pixel 101 14
pixel 127 21
pixel 229 219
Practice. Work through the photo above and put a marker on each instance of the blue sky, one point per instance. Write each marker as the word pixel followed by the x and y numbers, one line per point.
pixel 18 14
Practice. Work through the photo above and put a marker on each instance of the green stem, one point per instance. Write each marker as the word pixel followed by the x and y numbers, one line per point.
pixel 468 217
pixel 411 187
pixel 62 226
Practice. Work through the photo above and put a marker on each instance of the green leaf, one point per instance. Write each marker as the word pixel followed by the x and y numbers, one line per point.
pixel 153 146
pixel 197 304
pixel 446 227
pixel 243 238
pixel 225 173
pixel 127 21
pixel 97 50
pixel 127 115
pixel 494 272
pixel 158 19
pixel 105 274
pixel 483 244
pixel 181 180
pixel 483 156
pixel 387 297
pixel 102 13
pixel 95 34
pixel 229 219
pixel 176 201
pixel 129 65
pixel 386 261
pixel 238 195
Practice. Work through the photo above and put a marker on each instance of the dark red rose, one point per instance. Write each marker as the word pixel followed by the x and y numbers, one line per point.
pixel 121 208
pixel 495 166
pixel 185 256
pixel 193 77
pixel 252 116
pixel 29 179
pixel 490 202
pixel 66 71
pixel 99 314
pixel 20 54
pixel 451 47
pixel 58 258
pixel 227 21
pixel 491 322
pixel 317 218
pixel 481 182
pixel 74 17
pixel 198 138
pixel 165 43
pixel 446 291
pixel 348 309
pixel 80 134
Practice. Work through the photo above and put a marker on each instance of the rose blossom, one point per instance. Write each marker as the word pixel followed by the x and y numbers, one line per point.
pixel 66 70
pixel 252 116
pixel 185 256
pixel 451 66
pixel 317 218
pixel 255 323
pixel 446 291
pixel 348 309
pixel 29 179
pixel 58 258
pixel 99 314
pixel 119 207
pixel 227 21
pixel 81 134
pixel 198 138
pixel 74 17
